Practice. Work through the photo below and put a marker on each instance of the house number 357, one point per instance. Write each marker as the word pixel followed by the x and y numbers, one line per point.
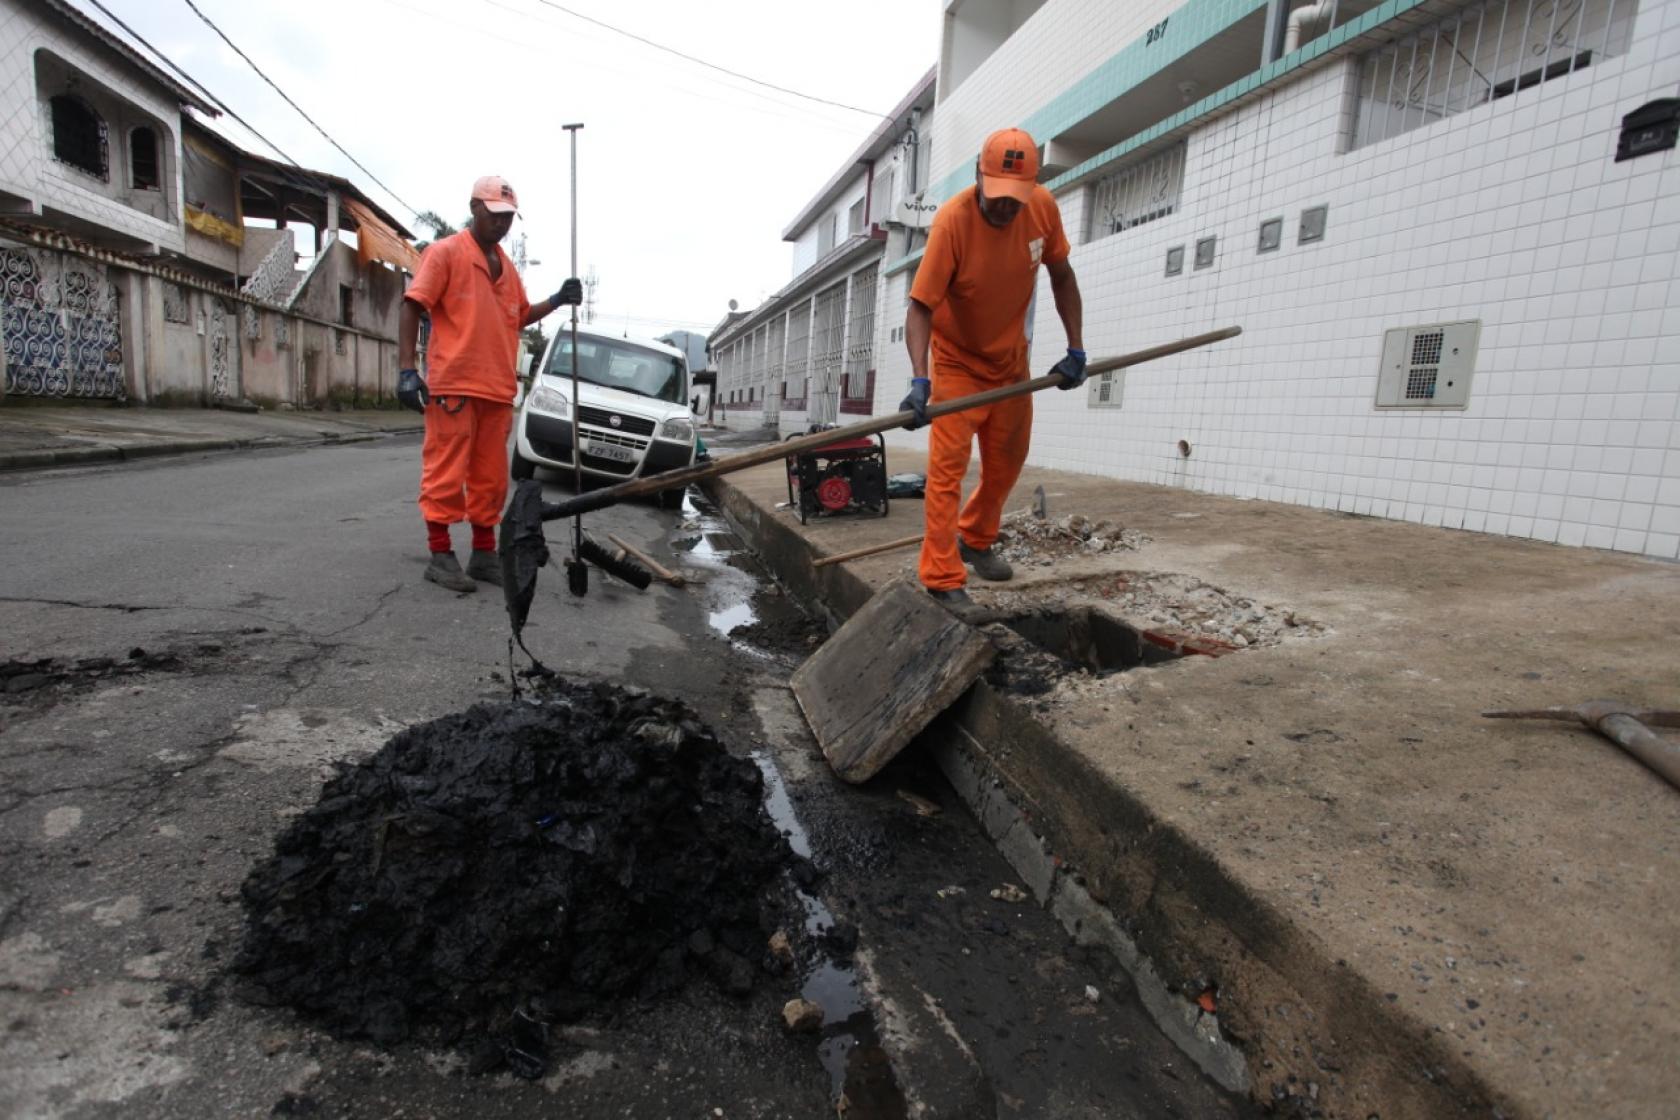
pixel 1155 33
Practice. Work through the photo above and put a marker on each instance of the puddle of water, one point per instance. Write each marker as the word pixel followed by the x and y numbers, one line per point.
pixel 709 540
pixel 850 1049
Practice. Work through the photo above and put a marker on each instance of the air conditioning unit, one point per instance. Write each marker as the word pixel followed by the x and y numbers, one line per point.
pixel 1428 366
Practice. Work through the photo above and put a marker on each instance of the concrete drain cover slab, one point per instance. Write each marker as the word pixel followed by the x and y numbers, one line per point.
pixel 884 675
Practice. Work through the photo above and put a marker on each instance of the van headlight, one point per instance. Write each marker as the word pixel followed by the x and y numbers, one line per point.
pixel 544 399
pixel 677 428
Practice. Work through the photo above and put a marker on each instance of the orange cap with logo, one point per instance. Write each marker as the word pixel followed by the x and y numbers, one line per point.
pixel 496 194
pixel 1009 165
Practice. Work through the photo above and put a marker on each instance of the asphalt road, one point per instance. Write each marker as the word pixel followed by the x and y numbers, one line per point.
pixel 263 616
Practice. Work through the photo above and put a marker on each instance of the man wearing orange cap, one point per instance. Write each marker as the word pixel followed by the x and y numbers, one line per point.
pixel 969 305
pixel 477 304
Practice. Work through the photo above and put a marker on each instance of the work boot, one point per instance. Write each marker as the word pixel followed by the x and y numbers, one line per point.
pixel 987 564
pixel 485 566
pixel 954 597
pixel 445 571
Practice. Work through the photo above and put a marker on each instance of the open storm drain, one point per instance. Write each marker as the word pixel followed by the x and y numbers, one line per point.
pixel 1039 647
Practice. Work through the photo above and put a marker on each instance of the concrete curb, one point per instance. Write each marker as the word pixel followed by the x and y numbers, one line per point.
pixel 1305 1019
pixel 45 457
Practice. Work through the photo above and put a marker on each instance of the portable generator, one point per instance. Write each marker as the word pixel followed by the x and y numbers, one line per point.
pixel 848 477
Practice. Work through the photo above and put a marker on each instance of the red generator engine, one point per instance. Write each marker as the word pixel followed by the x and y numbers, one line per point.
pixel 841 478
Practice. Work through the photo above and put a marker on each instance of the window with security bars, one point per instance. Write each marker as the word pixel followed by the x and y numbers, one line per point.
pixel 827 353
pixel 1482 54
pixel 775 338
pixel 798 350
pixel 860 345
pixel 760 351
pixel 80 138
pixel 1135 194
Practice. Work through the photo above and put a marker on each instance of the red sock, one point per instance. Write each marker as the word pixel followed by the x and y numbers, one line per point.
pixel 437 537
pixel 484 538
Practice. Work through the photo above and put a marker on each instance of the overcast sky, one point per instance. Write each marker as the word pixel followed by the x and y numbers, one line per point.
pixel 686 176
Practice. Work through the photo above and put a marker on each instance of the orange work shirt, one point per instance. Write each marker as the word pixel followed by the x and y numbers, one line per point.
pixel 474 345
pixel 978 281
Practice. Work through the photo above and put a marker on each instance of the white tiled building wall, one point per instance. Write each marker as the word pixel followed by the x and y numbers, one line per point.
pixel 27 169
pixel 1512 213
pixel 1059 44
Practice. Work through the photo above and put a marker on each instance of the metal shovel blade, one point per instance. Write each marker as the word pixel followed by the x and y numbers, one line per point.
pixel 522 550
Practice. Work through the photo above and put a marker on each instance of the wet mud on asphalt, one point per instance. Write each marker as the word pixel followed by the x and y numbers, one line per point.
pixel 894 905
pixel 906 865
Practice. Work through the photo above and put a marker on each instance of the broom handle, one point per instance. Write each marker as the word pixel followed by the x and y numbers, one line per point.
pixel 672 480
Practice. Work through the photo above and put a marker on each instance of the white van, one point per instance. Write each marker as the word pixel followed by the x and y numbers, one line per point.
pixel 633 416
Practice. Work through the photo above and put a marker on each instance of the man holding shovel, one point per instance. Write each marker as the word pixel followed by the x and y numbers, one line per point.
pixel 478 307
pixel 969 306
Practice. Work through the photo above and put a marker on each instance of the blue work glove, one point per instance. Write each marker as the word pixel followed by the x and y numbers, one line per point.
pixel 411 391
pixel 569 295
pixel 1072 369
pixel 916 402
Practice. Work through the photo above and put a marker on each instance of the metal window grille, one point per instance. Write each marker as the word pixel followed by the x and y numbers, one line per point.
pixel 1482 54
pixel 1426 366
pixel 860 344
pixel 1137 193
pixel 827 353
pixel 776 342
pixel 143 160
pixel 760 352
pixel 80 138
pixel 798 349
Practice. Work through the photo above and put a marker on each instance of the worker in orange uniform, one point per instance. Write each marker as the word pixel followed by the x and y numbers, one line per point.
pixel 478 306
pixel 969 300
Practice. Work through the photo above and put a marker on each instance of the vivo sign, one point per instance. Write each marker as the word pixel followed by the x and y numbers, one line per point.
pixel 917 211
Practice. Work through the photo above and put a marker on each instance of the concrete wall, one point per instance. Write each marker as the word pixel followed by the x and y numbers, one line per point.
pixel 1511 213
pixel 805 244
pixel 31 178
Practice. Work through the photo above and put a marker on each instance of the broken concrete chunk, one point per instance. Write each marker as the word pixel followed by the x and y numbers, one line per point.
pixel 802 1016
pixel 1009 892
pixel 923 807
pixel 949 892
pixel 1091 993
pixel 780 947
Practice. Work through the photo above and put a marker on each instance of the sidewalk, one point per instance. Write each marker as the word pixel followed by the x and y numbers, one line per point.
pixel 1405 909
pixel 33 436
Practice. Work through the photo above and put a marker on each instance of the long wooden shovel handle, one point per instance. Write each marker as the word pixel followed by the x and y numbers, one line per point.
pixel 673 480
pixel 841 557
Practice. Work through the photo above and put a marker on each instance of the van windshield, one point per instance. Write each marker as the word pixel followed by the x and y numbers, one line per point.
pixel 621 365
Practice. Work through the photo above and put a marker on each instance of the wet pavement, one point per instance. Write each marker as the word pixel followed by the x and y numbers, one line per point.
pixel 133 804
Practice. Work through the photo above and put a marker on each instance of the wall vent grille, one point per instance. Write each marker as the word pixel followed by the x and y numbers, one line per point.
pixel 1428 366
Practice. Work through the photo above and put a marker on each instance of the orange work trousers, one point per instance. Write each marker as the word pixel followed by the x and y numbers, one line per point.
pixel 463 461
pixel 1005 431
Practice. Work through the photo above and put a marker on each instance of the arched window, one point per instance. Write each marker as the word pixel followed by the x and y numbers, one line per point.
pixel 143 160
pixel 79 136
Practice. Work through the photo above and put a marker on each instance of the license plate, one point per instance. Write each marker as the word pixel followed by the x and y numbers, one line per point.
pixel 610 451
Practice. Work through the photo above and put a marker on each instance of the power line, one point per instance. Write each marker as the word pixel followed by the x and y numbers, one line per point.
pixel 703 62
pixel 212 98
pixel 223 35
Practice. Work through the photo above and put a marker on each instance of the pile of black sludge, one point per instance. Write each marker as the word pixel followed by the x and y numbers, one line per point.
pixel 518 865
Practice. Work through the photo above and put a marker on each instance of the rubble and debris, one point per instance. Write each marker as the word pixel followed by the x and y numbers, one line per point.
pixel 950 892
pixel 1091 993
pixel 781 948
pixel 1026 539
pixel 517 865
pixel 1009 892
pixel 923 807
pixel 801 1015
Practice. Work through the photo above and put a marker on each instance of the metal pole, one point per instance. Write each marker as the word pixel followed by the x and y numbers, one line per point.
pixel 577 406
